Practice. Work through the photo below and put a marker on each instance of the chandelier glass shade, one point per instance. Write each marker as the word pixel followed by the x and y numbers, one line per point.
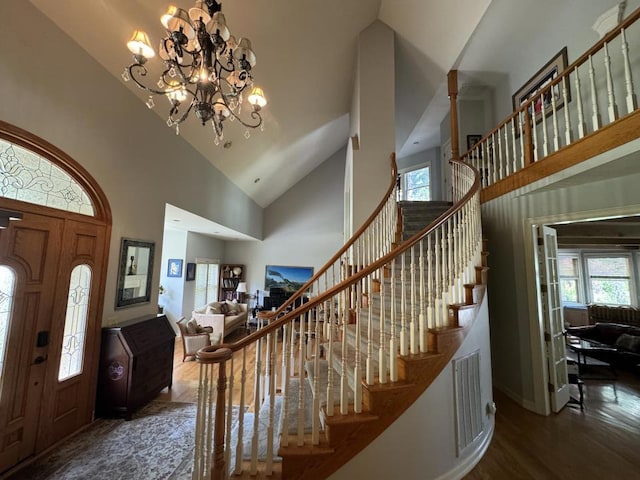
pixel 206 70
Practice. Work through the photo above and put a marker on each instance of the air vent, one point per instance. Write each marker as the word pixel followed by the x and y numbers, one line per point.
pixel 469 421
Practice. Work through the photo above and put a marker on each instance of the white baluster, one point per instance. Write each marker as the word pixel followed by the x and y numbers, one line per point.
pixel 595 114
pixel 430 273
pixel 554 117
pixel 404 334
pixel 521 123
pixel 534 131
pixel 582 128
pixel 271 347
pixel 329 311
pixel 344 381
pixel 240 443
pixel 256 408
pixel 227 447
pixel 514 143
pixel 567 120
pixel 286 369
pixel 393 346
pixel 382 349
pixel 612 108
pixel 370 373
pixel 506 152
pixel 628 78
pixel 438 264
pixel 423 306
pixel 503 166
pixel 412 326
pixel 315 418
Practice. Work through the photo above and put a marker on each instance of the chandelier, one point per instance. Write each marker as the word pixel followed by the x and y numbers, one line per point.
pixel 206 70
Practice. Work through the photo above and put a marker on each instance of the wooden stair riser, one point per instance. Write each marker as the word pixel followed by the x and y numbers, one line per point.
pixel 380 398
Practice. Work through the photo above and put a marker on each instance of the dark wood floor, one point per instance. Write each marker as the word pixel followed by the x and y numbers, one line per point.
pixel 600 442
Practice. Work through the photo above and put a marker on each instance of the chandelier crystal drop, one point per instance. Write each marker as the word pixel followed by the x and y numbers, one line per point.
pixel 206 70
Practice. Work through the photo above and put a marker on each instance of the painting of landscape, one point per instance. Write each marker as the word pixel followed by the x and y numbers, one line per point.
pixel 290 279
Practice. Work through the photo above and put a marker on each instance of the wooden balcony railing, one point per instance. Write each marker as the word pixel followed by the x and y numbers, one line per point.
pixel 593 93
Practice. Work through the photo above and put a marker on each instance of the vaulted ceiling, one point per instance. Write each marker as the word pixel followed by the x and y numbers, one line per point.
pixel 306 53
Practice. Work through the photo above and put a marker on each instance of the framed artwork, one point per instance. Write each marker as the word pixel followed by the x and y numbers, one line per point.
pixel 289 279
pixel 174 267
pixel 191 272
pixel 538 82
pixel 471 141
pixel 134 272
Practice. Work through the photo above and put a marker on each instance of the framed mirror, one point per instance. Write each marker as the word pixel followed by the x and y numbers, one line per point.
pixel 134 273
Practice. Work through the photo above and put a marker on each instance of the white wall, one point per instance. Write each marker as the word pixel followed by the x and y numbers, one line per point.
pixel 52 88
pixel 376 119
pixel 173 246
pixel 302 228
pixel 430 424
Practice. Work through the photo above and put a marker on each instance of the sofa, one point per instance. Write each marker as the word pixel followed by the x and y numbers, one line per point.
pixel 624 315
pixel 624 338
pixel 223 317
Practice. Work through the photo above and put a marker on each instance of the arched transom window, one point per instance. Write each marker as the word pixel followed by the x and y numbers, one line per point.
pixel 30 178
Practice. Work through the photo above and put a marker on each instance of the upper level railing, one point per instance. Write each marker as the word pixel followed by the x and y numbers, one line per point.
pixel 371 303
pixel 594 91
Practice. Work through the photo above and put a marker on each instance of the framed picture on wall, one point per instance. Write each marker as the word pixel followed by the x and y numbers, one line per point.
pixel 174 267
pixel 540 82
pixel 190 274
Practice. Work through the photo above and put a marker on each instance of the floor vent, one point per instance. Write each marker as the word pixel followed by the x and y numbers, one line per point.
pixel 469 419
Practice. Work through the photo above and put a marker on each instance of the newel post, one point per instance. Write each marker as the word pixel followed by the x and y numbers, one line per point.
pixel 218 467
pixel 209 458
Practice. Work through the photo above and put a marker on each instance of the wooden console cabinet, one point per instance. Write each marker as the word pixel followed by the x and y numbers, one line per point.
pixel 136 363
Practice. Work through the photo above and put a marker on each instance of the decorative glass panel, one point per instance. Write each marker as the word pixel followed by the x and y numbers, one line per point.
pixel 7 286
pixel 75 324
pixel 28 177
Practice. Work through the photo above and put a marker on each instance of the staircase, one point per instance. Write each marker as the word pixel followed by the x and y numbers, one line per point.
pixel 389 311
pixel 417 215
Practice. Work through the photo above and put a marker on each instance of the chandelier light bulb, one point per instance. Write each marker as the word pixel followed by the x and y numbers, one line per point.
pixel 206 70
pixel 140 45
pixel 257 98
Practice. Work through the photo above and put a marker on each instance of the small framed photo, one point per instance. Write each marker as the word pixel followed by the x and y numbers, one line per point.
pixel 471 141
pixel 190 274
pixel 174 267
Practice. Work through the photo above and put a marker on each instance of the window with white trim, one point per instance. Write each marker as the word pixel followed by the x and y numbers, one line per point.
pixel 570 282
pixel 206 289
pixel 609 279
pixel 416 184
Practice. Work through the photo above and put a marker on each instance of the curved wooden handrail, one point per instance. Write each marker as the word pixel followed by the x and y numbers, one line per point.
pixel 361 273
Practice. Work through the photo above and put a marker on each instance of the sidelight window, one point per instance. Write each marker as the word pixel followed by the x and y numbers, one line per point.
pixel 75 324
pixel 7 290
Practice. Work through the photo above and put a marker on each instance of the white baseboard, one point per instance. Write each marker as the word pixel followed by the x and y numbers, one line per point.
pixel 528 404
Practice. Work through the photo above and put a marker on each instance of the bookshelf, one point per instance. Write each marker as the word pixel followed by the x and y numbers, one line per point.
pixel 230 276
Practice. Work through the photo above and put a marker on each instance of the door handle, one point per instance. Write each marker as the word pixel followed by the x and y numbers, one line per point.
pixel 39 360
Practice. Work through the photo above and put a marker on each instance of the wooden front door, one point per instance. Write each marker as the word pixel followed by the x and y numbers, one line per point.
pixel 36 408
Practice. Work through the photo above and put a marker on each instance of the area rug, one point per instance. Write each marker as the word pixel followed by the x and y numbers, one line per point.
pixel 156 444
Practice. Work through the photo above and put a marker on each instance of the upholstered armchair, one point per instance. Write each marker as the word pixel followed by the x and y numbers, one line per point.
pixel 194 337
